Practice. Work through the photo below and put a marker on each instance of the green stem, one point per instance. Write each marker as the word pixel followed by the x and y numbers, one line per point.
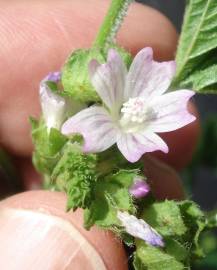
pixel 112 22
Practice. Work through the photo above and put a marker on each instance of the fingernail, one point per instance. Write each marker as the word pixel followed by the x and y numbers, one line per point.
pixel 35 240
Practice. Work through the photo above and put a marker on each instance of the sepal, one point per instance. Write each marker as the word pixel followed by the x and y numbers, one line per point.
pixel 75 75
pixel 48 146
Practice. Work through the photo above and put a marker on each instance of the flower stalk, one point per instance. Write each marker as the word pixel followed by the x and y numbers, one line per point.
pixel 112 22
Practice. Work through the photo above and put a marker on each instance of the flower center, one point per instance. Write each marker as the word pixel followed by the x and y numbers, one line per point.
pixel 134 113
pixel 135 110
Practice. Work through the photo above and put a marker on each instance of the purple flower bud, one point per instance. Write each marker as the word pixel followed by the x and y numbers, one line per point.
pixel 139 188
pixel 53 76
pixel 140 229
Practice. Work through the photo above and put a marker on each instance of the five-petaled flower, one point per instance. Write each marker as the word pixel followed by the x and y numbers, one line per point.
pixel 134 108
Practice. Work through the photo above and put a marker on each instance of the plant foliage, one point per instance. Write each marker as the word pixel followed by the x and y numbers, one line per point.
pixel 197 51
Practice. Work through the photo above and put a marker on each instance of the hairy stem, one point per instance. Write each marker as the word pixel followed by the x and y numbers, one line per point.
pixel 112 22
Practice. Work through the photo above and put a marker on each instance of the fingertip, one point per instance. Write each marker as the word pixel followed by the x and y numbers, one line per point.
pixel 149 28
pixel 55 239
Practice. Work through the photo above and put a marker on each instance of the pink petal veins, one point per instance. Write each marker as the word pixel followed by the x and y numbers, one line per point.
pixel 96 127
pixel 133 146
pixel 147 78
pixel 109 79
pixel 171 111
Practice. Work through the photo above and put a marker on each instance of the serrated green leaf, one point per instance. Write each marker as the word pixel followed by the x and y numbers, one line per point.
pixel 205 79
pixel 111 194
pixel 75 174
pixel 166 218
pixel 196 55
pixel 152 258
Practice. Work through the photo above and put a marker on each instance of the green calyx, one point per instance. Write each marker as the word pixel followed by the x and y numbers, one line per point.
pixel 75 74
pixel 48 146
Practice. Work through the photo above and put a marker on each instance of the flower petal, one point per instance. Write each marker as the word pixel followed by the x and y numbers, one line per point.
pixel 147 78
pixel 53 76
pixel 53 107
pixel 171 111
pixel 96 127
pixel 140 229
pixel 109 79
pixel 133 146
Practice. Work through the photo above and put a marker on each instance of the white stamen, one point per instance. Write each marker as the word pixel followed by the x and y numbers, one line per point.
pixel 135 113
pixel 135 110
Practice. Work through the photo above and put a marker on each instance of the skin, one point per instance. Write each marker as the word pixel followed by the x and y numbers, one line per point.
pixel 36 37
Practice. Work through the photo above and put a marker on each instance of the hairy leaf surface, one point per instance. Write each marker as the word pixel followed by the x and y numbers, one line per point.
pixel 197 51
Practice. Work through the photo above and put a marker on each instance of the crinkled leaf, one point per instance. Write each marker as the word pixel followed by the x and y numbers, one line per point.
pixel 197 51
pixel 75 173
pixel 111 194
pixel 166 218
pixel 152 258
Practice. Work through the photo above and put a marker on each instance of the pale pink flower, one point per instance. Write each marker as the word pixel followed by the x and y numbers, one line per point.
pixel 140 229
pixel 134 108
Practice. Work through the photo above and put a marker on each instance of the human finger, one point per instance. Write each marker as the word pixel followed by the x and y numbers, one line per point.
pixel 38 234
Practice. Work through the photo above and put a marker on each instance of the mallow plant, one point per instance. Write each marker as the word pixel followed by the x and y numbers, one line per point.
pixel 103 111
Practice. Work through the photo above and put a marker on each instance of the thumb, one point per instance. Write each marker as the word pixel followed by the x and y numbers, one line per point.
pixel 36 233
